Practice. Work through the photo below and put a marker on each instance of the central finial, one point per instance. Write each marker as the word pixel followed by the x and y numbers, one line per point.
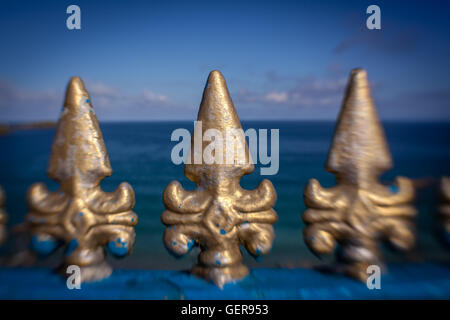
pixel 359 211
pixel 80 215
pixel 219 215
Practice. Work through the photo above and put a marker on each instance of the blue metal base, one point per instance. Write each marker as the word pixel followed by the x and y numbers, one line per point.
pixel 404 281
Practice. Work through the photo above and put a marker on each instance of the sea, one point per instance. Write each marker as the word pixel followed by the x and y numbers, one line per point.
pixel 140 153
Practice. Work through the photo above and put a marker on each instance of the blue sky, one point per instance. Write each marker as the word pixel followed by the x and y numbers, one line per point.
pixel 149 60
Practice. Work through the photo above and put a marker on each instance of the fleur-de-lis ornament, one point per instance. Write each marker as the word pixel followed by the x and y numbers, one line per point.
pixel 3 217
pixel 444 209
pixel 219 215
pixel 359 211
pixel 80 215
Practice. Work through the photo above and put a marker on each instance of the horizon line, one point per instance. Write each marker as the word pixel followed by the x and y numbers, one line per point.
pixel 28 122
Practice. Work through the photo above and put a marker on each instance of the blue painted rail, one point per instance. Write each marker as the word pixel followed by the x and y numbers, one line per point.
pixel 404 281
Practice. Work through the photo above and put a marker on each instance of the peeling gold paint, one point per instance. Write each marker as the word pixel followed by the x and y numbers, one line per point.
pixel 359 211
pixel 80 214
pixel 219 215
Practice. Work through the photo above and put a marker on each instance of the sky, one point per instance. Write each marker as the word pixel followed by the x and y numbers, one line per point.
pixel 149 60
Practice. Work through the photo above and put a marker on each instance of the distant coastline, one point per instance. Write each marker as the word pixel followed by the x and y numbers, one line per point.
pixel 8 128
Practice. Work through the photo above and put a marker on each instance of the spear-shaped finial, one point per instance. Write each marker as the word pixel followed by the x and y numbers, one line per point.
pixel 359 211
pixel 219 215
pixel 80 215
pixel 359 152
pixel 3 217
pixel 444 209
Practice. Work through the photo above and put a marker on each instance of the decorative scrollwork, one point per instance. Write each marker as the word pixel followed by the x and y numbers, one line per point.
pixel 219 215
pixel 80 215
pixel 359 211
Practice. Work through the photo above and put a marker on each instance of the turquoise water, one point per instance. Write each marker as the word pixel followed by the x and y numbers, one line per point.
pixel 140 154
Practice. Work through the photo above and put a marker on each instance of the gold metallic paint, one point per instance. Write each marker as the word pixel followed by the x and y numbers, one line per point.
pixel 219 215
pixel 359 211
pixel 80 212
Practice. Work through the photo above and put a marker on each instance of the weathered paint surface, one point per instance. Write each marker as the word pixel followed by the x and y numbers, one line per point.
pixel 404 281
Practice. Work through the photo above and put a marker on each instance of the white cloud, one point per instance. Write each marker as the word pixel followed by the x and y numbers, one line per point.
pixel 278 97
pixel 151 97
pixel 20 104
pixel 11 94
pixel 102 90
pixel 299 92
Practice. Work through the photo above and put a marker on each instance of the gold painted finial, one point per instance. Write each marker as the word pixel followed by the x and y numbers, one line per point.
pixel 3 217
pixel 80 214
pixel 219 215
pixel 359 211
pixel 444 209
